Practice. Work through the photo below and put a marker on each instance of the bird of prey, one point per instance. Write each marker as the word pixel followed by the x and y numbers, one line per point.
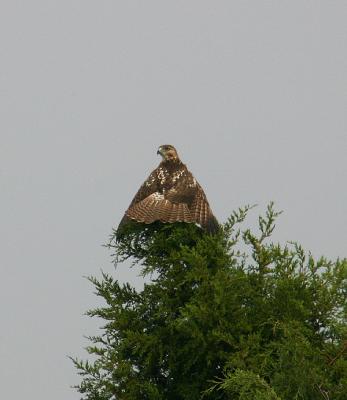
pixel 171 194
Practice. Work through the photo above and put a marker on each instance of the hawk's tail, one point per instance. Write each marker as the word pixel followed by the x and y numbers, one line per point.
pixel 153 208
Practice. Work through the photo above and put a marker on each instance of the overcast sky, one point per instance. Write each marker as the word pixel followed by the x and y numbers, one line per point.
pixel 253 94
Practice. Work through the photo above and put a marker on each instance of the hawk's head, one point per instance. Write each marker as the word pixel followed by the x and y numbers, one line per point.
pixel 168 152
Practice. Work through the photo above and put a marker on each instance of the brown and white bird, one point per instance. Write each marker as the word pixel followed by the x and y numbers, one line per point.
pixel 171 194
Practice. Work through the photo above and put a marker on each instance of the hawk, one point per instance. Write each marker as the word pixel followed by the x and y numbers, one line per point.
pixel 171 194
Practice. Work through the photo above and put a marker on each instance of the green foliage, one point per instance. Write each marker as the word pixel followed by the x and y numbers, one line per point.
pixel 244 385
pixel 228 316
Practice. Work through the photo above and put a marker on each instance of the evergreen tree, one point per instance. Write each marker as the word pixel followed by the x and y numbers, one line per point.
pixel 228 316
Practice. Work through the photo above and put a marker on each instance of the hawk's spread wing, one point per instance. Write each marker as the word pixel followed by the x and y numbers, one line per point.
pixel 147 188
pixel 171 194
pixel 202 213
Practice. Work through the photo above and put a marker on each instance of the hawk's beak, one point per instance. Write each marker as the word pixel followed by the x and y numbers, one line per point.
pixel 159 151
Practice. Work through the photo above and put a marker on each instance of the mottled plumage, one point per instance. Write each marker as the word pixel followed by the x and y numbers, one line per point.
pixel 171 194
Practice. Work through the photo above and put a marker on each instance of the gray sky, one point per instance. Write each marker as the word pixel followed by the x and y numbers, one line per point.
pixel 252 93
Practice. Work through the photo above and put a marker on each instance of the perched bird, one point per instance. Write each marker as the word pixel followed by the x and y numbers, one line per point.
pixel 171 194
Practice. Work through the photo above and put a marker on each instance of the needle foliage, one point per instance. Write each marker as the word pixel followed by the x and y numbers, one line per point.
pixel 228 316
